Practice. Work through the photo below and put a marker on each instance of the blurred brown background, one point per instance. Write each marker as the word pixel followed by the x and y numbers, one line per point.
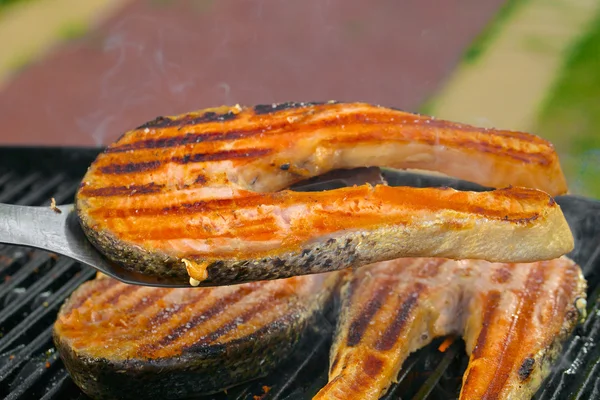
pixel 152 57
pixel 76 72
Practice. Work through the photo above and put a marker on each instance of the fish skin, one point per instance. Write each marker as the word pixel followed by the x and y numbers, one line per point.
pixel 209 187
pixel 127 341
pixel 513 318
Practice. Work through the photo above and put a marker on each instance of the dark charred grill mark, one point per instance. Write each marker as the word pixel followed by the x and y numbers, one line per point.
pixel 526 368
pixel 263 109
pixel 146 302
pixel 392 332
pixel 165 314
pixel 158 122
pixel 274 126
pixel 430 268
pixel 372 365
pixel 124 291
pixel 99 285
pixel 131 190
pixel 229 326
pixel 490 306
pixel 188 138
pixel 137 190
pixel 189 119
pixel 187 208
pixel 527 157
pixel 520 136
pixel 524 156
pixel 335 362
pixel 258 230
pixel 218 136
pixel 360 324
pixel 513 341
pixel 426 121
pixel 217 308
pixel 401 197
pixel 221 155
pixel 128 168
pixel 227 135
pixel 211 116
pixel 200 180
pixel 503 274
pixel 427 133
pixel 281 323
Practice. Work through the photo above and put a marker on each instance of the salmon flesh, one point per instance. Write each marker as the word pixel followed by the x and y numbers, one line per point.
pixel 202 196
pixel 134 342
pixel 513 318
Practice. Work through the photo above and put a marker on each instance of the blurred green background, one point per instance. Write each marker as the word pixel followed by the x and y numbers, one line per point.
pixel 570 117
pixel 536 68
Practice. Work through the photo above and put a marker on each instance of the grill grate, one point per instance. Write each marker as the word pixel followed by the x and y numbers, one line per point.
pixel 34 284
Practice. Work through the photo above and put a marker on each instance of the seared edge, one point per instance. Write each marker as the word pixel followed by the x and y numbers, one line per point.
pixel 514 318
pixel 169 160
pixel 545 236
pixel 512 363
pixel 387 312
pixel 340 125
pixel 207 368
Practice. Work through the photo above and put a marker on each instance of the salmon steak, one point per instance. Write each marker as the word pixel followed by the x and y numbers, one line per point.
pixel 134 342
pixel 202 197
pixel 513 318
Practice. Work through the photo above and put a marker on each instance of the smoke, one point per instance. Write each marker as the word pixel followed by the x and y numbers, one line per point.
pixel 96 125
pixel 140 75
pixel 157 68
pixel 226 92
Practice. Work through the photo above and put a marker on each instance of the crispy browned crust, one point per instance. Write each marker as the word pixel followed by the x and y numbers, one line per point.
pixel 513 317
pixel 204 187
pixel 125 341
pixel 541 232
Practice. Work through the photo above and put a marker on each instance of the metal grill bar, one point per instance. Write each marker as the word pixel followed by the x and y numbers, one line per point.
pixel 306 360
pixel 5 178
pixel 33 285
pixel 15 188
pixel 24 274
pixel 62 383
pixel 45 311
pixel 577 368
pixel 26 298
pixel 11 259
pixel 435 377
pixel 36 196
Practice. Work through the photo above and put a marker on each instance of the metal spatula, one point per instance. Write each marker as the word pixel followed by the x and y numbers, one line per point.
pixel 57 229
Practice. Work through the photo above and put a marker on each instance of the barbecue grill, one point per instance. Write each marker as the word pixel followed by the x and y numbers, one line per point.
pixel 34 284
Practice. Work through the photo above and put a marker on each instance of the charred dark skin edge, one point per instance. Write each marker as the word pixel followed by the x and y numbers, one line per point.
pixel 200 369
pixel 205 370
pixel 539 366
pixel 318 257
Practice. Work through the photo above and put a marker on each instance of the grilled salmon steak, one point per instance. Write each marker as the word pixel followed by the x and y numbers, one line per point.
pixel 201 196
pixel 131 342
pixel 513 318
